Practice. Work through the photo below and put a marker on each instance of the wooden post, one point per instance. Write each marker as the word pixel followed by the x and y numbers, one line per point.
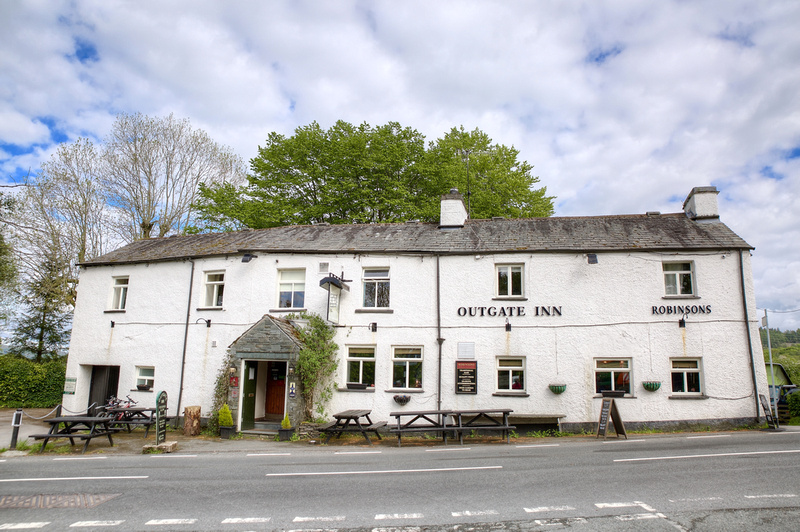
pixel 191 421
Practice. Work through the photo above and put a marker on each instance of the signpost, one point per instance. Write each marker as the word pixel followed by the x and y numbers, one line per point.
pixel 467 376
pixel 609 409
pixel 161 417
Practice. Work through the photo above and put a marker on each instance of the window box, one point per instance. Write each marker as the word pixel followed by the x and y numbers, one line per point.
pixel 557 388
pixel 651 386
pixel 356 386
pixel 402 400
pixel 610 393
pixel 143 387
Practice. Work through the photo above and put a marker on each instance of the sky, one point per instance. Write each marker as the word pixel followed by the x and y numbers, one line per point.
pixel 621 106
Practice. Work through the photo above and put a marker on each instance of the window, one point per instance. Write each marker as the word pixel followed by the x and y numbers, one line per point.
pixel 119 296
pixel 612 375
pixel 678 279
pixel 407 367
pixel 215 286
pixel 376 287
pixel 292 288
pixel 145 376
pixel 686 376
pixel 361 365
pixel 511 374
pixel 509 280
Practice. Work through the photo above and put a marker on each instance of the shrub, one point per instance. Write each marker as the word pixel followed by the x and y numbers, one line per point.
pixel 26 384
pixel 285 423
pixel 794 404
pixel 225 417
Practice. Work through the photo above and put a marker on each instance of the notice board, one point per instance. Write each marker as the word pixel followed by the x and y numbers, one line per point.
pixel 609 411
pixel 467 376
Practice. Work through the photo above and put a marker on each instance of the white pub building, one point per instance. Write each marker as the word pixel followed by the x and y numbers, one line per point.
pixel 537 315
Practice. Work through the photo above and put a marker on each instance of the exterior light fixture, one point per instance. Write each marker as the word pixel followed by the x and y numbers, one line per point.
pixel 508 325
pixel 682 322
pixel 290 370
pixel 207 321
pixel 373 327
pixel 247 257
pixel 112 324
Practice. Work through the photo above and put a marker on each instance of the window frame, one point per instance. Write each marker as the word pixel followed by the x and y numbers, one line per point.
pixel 368 279
pixel 361 361
pixel 293 292
pixel 678 282
pixel 213 290
pixel 119 292
pixel 405 362
pixel 142 378
pixel 521 369
pixel 698 370
pixel 510 285
pixel 614 373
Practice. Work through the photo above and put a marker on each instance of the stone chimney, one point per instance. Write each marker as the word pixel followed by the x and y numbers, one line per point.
pixel 701 205
pixel 453 212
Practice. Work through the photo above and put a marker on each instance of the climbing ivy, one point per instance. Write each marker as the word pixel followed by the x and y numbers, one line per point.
pixel 222 388
pixel 316 363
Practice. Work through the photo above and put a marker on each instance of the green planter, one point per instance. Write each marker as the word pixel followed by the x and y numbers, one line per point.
pixel 651 386
pixel 558 388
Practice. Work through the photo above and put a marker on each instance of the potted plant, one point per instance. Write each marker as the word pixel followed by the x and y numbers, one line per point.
pixel 651 386
pixel 226 428
pixel 286 431
pixel 557 388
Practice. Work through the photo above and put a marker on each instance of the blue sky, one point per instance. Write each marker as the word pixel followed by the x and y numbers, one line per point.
pixel 622 107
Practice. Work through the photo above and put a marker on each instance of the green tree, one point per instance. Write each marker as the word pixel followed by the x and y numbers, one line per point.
pixel 365 174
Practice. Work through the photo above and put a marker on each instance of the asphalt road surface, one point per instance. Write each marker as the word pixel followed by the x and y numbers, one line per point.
pixel 720 481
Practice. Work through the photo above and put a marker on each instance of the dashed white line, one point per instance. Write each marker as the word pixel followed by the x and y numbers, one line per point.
pixel 52 479
pixel 173 455
pixel 536 445
pixel 269 454
pixel 637 517
pixel 623 441
pixel 357 452
pixel 380 517
pixel 158 522
pixel 81 458
pixel 750 453
pixel 87 524
pixel 244 520
pixel 446 450
pixel 696 499
pixel 24 526
pixel 469 513
pixel 320 519
pixel 548 509
pixel 710 436
pixel 775 496
pixel 382 472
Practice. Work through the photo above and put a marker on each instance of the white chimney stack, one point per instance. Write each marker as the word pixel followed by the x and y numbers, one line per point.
pixel 453 212
pixel 701 204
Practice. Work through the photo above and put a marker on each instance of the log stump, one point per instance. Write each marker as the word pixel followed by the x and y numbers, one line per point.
pixel 191 421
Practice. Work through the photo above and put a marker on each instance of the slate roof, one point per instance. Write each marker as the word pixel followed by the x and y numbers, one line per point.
pixel 588 234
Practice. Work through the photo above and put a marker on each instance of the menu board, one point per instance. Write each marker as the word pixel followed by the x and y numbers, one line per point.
pixel 467 376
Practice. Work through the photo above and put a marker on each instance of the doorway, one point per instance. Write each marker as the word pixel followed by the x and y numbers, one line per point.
pixel 275 396
pixel 104 384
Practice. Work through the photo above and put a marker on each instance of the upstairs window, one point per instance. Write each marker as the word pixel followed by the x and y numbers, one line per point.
pixel 119 295
pixel 361 365
pixel 215 287
pixel 612 375
pixel 292 288
pixel 407 367
pixel 509 280
pixel 376 287
pixel 678 279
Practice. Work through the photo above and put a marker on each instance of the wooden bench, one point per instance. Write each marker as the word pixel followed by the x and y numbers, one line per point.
pixel 77 428
pixel 482 420
pixel 350 421
pixel 424 421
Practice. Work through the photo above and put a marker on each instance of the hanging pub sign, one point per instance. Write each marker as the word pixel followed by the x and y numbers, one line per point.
pixel 467 376
pixel 334 285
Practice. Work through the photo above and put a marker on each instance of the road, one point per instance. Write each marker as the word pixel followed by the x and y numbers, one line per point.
pixel 725 481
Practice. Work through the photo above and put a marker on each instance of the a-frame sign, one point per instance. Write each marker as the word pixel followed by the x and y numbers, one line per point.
pixel 609 410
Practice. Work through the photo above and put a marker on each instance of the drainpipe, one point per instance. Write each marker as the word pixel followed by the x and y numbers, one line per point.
pixel 747 327
pixel 185 342
pixel 439 338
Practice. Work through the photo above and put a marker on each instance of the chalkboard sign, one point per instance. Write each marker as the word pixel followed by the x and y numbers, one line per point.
pixel 609 410
pixel 161 417
pixel 467 376
pixel 768 412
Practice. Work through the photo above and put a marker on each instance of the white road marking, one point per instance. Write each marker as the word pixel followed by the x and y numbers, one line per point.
pixel 23 526
pixel 357 452
pixel 549 509
pixel 445 450
pixel 244 520
pixel 559 521
pixel 473 514
pixel 623 441
pixel 269 454
pixel 155 522
pixel 51 479
pixel 696 499
pixel 750 453
pixel 398 516
pixel 323 519
pixel 712 436
pixel 82 458
pixel 168 455
pixel 536 445
pixel 382 472
pixel 776 496
pixel 81 524
pixel 615 504
pixel 636 517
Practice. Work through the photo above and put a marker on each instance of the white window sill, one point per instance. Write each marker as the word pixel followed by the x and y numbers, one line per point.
pixel 374 310
pixel 684 296
pixel 287 309
pixel 115 311
pixel 511 394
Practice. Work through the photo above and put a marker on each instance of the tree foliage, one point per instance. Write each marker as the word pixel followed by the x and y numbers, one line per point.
pixel 25 384
pixel 366 174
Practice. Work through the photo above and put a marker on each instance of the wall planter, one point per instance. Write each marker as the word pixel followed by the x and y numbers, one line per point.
pixel 356 386
pixel 651 386
pixel 285 434
pixel 402 399
pixel 558 388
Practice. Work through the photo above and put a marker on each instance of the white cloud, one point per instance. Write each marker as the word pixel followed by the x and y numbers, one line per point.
pixel 621 106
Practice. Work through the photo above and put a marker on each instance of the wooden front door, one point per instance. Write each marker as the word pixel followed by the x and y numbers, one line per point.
pixel 276 388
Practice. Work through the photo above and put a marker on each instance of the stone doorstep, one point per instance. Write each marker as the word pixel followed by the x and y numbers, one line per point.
pixel 166 447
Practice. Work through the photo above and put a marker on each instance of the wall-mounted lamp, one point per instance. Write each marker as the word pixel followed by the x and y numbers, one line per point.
pixel 207 321
pixel 373 327
pixel 247 257
pixel 682 321
pixel 591 258
pixel 290 370
pixel 232 370
pixel 112 324
pixel 508 325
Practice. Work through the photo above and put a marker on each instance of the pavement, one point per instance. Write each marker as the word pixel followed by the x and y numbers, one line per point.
pixel 134 442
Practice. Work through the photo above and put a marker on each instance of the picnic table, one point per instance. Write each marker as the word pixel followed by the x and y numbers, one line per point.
pixel 423 421
pixel 133 416
pixel 351 421
pixel 482 419
pixel 77 428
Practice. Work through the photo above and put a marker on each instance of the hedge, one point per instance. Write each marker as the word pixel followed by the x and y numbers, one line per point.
pixel 794 404
pixel 26 384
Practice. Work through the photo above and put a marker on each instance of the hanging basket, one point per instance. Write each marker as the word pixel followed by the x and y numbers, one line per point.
pixel 651 386
pixel 557 388
pixel 402 399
